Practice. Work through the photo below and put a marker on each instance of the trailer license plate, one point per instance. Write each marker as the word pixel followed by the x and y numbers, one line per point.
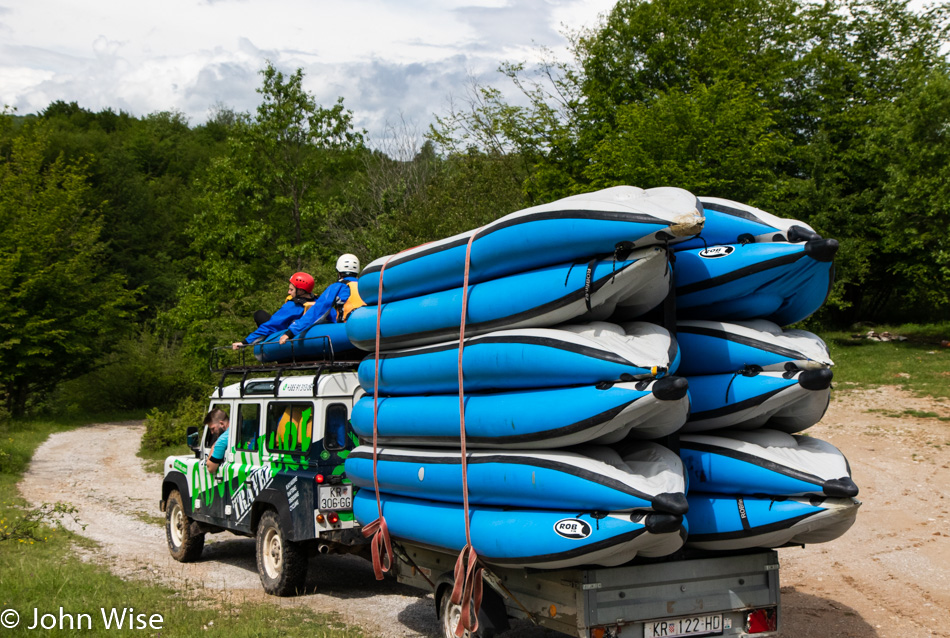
pixel 335 497
pixel 710 625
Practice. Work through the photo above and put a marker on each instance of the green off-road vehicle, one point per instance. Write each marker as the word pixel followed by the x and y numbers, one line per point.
pixel 281 480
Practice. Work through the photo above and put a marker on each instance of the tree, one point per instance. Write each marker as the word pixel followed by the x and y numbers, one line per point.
pixel 782 104
pixel 58 305
pixel 914 212
pixel 263 207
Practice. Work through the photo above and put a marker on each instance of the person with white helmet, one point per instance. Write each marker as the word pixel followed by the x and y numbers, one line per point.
pixel 335 303
pixel 298 302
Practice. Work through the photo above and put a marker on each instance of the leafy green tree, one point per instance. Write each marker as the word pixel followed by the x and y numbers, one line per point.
pixel 719 139
pixel 141 174
pixel 264 208
pixel 782 104
pixel 914 212
pixel 59 305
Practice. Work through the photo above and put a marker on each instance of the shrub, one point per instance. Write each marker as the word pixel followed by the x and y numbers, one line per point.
pixel 145 370
pixel 164 429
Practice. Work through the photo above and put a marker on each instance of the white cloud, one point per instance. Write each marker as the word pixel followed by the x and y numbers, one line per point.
pixel 388 59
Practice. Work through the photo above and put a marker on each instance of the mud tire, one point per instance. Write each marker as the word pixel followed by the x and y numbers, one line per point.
pixel 281 563
pixel 185 542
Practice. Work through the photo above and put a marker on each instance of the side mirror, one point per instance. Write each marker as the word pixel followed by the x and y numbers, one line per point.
pixel 191 438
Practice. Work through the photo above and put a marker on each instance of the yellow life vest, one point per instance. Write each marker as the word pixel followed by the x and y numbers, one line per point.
pixel 354 302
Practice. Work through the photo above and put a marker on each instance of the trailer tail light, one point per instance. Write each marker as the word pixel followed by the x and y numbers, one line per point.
pixel 597 632
pixel 760 621
pixel 319 478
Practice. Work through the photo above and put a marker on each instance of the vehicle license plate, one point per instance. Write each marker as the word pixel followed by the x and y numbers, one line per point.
pixel 710 625
pixel 335 497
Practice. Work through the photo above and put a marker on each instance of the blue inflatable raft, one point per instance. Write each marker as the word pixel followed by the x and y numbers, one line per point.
pixel 529 358
pixel 716 347
pixel 786 401
pixel 576 227
pixel 718 522
pixel 318 342
pixel 535 299
pixel 781 282
pixel 545 418
pixel 590 478
pixel 765 462
pixel 516 537
pixel 729 222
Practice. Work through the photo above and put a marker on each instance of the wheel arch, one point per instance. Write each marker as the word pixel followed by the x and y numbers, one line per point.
pixel 177 481
pixel 271 499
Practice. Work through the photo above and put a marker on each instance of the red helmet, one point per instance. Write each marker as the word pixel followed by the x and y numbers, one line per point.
pixel 302 280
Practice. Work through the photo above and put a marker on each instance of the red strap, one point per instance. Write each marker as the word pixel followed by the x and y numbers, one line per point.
pixel 380 545
pixel 468 576
pixel 467 590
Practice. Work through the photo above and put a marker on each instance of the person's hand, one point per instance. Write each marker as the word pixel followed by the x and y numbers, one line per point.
pixel 283 339
pixel 237 344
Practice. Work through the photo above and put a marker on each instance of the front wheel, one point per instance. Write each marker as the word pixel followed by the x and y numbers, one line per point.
pixel 281 563
pixel 184 541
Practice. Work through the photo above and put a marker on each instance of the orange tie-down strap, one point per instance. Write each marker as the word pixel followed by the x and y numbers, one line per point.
pixel 467 590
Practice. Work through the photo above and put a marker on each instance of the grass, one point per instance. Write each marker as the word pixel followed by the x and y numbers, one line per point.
pixel 154 459
pixel 38 571
pixel 920 365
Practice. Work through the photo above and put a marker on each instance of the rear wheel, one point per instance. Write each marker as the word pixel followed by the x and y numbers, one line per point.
pixel 185 542
pixel 450 614
pixel 281 563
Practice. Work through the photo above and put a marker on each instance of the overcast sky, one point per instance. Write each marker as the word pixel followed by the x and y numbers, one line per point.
pixel 390 60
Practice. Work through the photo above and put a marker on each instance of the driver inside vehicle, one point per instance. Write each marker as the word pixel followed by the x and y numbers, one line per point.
pixel 217 421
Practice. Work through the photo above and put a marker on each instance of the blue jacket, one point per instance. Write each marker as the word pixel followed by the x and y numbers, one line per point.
pixel 324 309
pixel 285 315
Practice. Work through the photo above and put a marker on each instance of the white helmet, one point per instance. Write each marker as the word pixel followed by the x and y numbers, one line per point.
pixel 348 263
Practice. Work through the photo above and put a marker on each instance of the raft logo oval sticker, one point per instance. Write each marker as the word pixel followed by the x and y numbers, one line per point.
pixel 572 528
pixel 714 252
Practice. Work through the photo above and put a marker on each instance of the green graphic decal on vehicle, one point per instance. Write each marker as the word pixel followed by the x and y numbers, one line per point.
pixel 284 448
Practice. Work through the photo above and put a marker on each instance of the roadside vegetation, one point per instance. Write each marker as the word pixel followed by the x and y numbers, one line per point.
pixel 918 364
pixel 38 570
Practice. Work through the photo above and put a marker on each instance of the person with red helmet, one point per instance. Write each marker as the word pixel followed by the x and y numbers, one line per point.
pixel 336 302
pixel 299 299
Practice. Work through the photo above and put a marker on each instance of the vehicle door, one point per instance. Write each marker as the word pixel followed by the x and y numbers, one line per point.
pixel 245 469
pixel 288 435
pixel 208 489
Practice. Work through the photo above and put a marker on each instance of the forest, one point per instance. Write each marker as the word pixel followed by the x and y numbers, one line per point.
pixel 133 245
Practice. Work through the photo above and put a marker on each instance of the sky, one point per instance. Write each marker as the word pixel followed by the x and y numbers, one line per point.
pixel 395 62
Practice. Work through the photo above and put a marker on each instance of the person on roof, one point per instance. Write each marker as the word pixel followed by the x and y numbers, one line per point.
pixel 337 301
pixel 299 300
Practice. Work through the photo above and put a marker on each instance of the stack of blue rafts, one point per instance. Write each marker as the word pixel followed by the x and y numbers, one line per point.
pixel 566 393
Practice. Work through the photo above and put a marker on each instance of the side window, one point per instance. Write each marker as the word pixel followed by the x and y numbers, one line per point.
pixel 248 426
pixel 209 438
pixel 335 437
pixel 289 426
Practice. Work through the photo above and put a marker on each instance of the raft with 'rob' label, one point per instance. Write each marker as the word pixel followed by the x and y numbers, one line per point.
pixel 781 282
pixel 569 229
pixel 518 537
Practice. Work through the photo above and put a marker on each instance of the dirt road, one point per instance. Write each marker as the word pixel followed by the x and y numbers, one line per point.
pixel 889 576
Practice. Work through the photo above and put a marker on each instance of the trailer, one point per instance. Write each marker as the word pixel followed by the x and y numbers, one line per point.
pixel 282 482
pixel 689 594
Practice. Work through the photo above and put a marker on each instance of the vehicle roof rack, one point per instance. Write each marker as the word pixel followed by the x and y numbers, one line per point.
pixel 244 362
